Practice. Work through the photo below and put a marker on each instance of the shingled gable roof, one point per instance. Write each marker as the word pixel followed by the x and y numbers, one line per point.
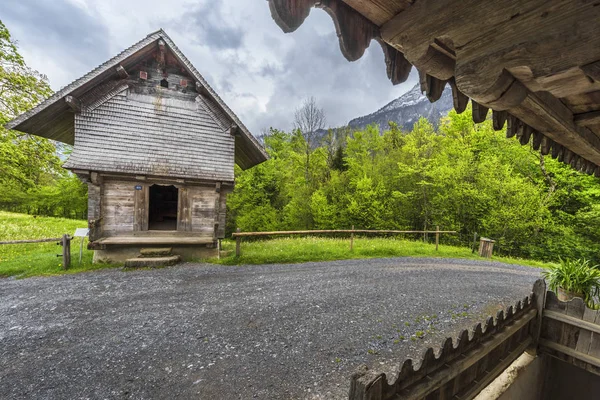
pixel 52 118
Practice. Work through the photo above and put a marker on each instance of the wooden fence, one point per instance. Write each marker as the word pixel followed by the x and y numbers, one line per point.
pixel 64 241
pixel 239 235
pixel 571 332
pixel 539 324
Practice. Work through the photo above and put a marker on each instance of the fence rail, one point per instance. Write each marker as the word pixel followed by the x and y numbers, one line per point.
pixel 30 241
pixel 64 241
pixel 239 235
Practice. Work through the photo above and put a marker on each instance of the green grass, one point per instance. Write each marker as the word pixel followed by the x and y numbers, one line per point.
pixel 33 259
pixel 303 249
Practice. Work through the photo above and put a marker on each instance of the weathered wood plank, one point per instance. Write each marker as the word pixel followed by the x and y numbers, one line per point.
pixel 141 209
pixel 552 329
pixel 184 211
pixel 151 240
pixel 539 299
pixel 587 119
pixel 571 352
pixel 594 349
pixel 570 335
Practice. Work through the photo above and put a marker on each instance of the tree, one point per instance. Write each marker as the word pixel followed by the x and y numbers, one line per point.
pixel 30 171
pixel 309 120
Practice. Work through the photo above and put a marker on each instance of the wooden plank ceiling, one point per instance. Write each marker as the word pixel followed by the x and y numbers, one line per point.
pixel 535 64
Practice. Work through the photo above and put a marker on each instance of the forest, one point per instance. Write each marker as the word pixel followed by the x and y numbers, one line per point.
pixel 457 175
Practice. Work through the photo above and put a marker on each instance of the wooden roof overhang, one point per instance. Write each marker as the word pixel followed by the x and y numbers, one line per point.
pixel 535 63
pixel 54 117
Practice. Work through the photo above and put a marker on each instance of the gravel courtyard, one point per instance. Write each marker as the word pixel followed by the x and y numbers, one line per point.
pixel 199 331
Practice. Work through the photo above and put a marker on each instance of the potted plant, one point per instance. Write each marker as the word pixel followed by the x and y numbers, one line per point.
pixel 574 278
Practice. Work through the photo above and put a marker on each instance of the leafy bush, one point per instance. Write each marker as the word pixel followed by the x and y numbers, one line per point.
pixel 576 276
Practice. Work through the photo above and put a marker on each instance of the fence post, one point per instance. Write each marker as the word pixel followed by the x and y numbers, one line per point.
pixel 352 238
pixel 66 251
pixel 437 237
pixel 539 300
pixel 238 244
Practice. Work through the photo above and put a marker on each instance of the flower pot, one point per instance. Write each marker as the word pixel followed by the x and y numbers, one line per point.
pixel 565 295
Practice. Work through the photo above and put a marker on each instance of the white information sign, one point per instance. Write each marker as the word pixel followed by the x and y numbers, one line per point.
pixel 81 232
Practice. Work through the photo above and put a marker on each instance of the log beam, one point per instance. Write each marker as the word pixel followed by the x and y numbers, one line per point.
pixel 73 103
pixel 587 119
pixel 122 72
pixel 592 70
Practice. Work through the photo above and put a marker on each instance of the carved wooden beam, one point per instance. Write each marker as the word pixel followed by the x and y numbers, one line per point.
pixel 555 120
pixel 498 119
pixel 546 145
pixel 524 133
pixel 73 103
pixel 556 150
pixel 432 87
pixel 201 89
pixel 290 15
pixel 459 100
pixel 592 70
pixel 122 72
pixel 512 125
pixel 479 112
pixel 537 140
pixel 397 66
pixel 587 119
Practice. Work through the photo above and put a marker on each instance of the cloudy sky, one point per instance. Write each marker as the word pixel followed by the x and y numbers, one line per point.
pixel 262 73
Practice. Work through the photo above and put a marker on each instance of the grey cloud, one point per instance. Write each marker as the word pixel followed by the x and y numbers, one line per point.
pixel 58 27
pixel 316 67
pixel 213 30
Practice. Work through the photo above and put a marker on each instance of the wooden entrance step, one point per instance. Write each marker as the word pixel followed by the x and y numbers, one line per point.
pixel 156 251
pixel 152 262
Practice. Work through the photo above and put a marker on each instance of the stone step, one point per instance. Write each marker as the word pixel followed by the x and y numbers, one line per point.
pixel 155 251
pixel 151 262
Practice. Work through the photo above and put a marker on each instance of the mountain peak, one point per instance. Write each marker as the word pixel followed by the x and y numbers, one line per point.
pixel 406 110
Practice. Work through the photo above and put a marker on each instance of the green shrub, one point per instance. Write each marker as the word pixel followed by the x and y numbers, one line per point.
pixel 575 276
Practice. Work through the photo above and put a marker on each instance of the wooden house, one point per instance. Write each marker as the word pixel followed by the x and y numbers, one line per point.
pixel 535 64
pixel 155 145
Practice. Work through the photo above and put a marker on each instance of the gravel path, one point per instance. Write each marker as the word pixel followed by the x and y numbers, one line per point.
pixel 213 332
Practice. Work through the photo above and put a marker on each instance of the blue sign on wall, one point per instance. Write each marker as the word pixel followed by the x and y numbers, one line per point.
pixel 138 187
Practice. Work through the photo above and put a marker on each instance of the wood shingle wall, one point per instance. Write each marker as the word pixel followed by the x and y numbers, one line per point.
pixel 152 135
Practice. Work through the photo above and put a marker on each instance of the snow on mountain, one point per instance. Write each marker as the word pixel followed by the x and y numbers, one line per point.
pixel 406 110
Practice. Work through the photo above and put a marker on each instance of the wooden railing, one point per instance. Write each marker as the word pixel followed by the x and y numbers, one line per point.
pixel 569 331
pixel 64 241
pixel 461 371
pixel 239 235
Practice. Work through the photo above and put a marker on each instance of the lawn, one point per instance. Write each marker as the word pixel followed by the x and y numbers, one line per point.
pixel 23 260
pixel 303 249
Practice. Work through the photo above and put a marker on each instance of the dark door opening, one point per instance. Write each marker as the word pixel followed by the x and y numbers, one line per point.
pixel 162 215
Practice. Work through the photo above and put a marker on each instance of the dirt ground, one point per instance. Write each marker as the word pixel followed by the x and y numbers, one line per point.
pixel 202 331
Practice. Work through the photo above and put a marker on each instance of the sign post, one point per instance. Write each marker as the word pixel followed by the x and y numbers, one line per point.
pixel 82 233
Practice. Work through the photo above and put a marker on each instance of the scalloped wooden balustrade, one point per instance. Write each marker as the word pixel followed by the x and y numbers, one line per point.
pixel 542 324
pixel 459 371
